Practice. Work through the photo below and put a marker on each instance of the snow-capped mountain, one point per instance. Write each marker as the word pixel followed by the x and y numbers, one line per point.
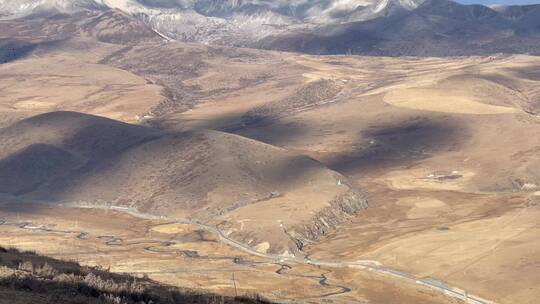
pixel 237 22
pixel 16 8
pixel 434 28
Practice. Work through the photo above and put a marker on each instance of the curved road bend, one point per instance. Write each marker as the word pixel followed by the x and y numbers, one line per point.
pixel 431 283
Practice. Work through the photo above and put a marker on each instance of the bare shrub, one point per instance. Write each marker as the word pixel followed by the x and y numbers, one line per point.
pixel 26 266
pixel 45 271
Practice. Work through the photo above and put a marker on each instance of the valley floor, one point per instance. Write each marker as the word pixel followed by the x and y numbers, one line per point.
pixel 196 258
pixel 444 149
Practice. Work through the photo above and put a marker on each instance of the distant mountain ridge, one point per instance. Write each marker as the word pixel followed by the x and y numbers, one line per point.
pixel 237 22
pixel 310 11
pixel 434 28
pixel 366 27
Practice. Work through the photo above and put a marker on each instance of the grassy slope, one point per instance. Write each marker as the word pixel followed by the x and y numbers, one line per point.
pixel 26 277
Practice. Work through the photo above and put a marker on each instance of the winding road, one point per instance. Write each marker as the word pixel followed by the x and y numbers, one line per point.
pixel 431 283
pixel 164 247
pixel 279 260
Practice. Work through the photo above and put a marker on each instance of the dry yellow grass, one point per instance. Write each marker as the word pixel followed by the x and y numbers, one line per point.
pixel 402 120
pixel 421 208
pixel 394 122
pixel 481 254
pixel 442 101
pixel 421 178
pixel 63 82
pixel 172 228
pixel 190 261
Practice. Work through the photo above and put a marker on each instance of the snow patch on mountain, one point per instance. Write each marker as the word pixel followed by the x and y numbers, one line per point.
pixel 237 22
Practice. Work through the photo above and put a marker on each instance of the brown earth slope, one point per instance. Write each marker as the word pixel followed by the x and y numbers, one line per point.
pixel 26 277
pixel 259 190
pixel 446 149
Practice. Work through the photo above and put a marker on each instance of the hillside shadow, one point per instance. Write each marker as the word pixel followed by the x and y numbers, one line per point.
pixel 15 49
pixel 30 167
pixel 97 144
pixel 12 49
pixel 87 141
pixel 398 144
pixel 384 145
pixel 272 132
pixel 89 146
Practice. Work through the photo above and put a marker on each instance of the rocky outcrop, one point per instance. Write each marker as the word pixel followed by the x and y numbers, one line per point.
pixel 341 209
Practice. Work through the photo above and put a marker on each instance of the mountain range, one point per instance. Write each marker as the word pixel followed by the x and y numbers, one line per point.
pixel 434 28
pixel 237 22
pixel 367 27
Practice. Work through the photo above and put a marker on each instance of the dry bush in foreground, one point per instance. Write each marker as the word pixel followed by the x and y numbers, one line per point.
pixel 26 277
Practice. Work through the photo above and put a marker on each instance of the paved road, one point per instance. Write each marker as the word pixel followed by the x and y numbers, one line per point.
pixel 432 283
pixel 160 246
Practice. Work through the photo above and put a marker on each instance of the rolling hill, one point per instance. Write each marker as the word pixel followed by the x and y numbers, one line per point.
pixel 207 175
pixel 207 166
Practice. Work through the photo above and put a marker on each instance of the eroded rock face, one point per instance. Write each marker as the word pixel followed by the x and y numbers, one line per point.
pixel 286 238
pixel 341 209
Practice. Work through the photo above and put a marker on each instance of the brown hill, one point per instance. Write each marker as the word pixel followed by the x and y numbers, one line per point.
pixel 265 194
